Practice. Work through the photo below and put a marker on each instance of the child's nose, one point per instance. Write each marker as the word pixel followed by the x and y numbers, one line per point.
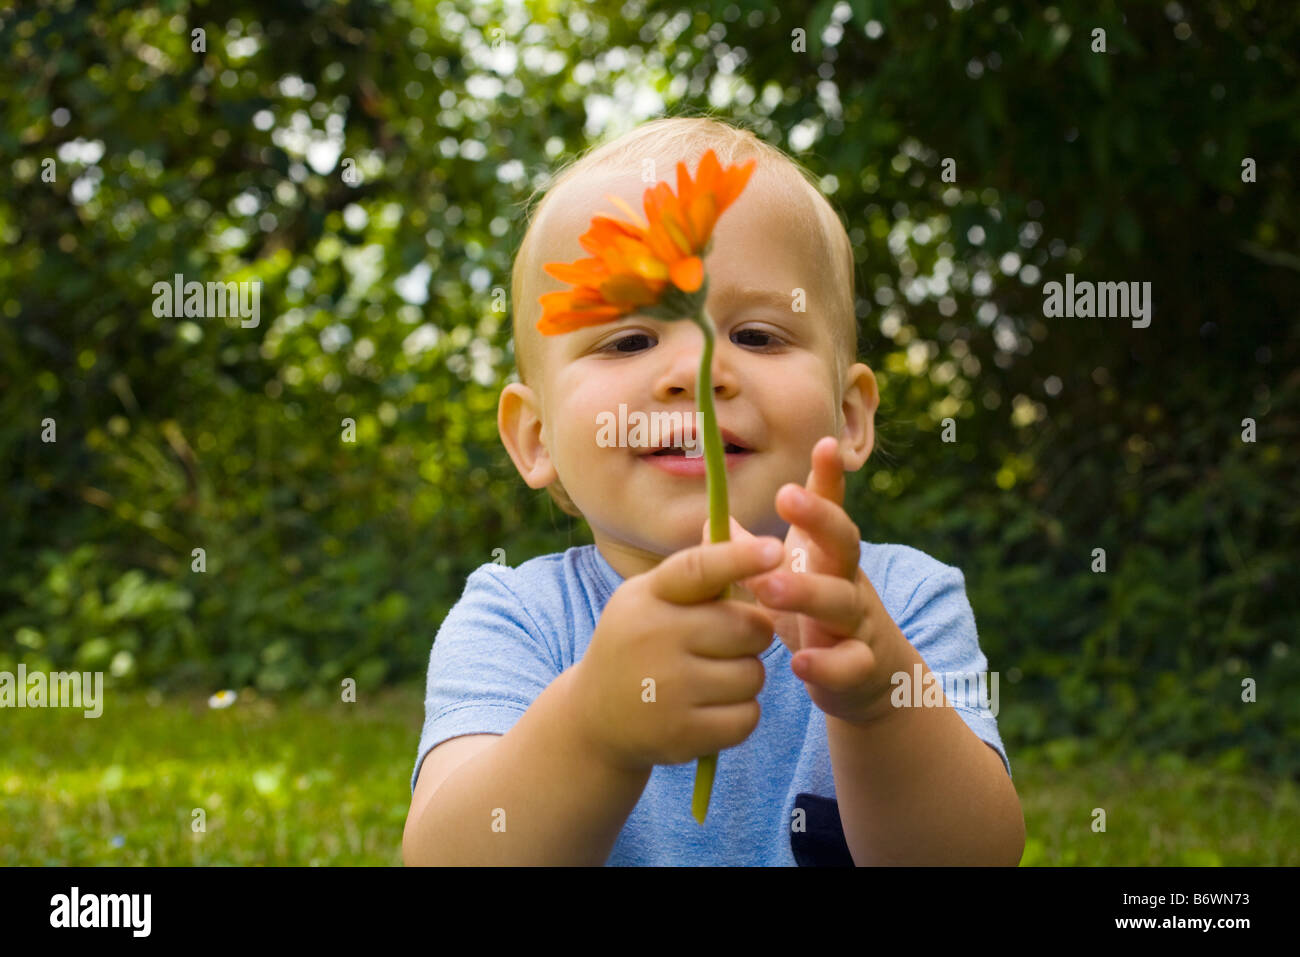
pixel 679 378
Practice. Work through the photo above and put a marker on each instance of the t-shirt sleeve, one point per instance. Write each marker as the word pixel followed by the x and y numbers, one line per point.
pixel 940 624
pixel 489 662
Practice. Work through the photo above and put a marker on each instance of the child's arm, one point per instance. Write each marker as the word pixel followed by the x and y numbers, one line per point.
pixel 917 787
pixel 567 775
pixel 539 795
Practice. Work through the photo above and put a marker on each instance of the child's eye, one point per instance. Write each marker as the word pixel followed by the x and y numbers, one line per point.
pixel 764 339
pixel 621 345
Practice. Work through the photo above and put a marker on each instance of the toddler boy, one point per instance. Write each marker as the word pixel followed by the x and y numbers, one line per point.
pixel 569 698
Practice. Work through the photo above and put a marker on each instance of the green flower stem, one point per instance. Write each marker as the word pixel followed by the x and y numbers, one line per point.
pixel 715 471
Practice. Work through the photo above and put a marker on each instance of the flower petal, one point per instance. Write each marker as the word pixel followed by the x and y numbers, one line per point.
pixel 629 290
pixel 580 273
pixel 702 216
pixel 603 231
pixel 685 187
pixel 708 178
pixel 673 225
pixel 733 182
pixel 639 258
pixel 562 313
pixel 628 211
pixel 688 274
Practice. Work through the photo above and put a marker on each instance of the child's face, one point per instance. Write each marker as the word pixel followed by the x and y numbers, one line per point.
pixel 776 379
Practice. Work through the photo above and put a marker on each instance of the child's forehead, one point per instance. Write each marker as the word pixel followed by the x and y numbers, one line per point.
pixel 570 207
pixel 768 209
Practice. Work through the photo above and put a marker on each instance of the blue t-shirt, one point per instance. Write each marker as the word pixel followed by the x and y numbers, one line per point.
pixel 514 630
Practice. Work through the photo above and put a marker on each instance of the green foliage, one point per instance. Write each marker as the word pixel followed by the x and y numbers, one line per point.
pixel 328 559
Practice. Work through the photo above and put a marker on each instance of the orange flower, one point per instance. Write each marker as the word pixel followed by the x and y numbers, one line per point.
pixel 633 264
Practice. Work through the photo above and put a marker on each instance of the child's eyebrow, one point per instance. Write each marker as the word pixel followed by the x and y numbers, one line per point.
pixel 759 297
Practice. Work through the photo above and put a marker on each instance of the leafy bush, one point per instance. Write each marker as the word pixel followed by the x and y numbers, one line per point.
pixel 383 304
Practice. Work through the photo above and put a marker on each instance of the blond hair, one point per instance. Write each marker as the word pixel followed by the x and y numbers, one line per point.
pixel 686 139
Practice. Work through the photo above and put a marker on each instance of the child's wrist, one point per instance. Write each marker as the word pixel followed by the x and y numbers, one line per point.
pixel 586 738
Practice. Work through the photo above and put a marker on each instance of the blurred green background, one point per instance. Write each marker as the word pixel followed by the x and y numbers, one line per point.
pixel 370 163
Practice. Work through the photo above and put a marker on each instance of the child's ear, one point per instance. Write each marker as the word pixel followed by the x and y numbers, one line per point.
pixel 861 397
pixel 520 427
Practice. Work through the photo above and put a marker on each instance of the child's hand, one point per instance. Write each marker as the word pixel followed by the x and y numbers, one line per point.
pixel 828 614
pixel 702 654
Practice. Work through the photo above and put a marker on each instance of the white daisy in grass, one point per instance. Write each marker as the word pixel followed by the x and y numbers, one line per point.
pixel 222 699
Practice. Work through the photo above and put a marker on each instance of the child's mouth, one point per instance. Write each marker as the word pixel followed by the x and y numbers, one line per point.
pixel 675 461
pixel 677 450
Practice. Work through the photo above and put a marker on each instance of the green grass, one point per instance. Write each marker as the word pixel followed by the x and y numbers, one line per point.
pixel 281 782
pixel 303 781
pixel 1160 810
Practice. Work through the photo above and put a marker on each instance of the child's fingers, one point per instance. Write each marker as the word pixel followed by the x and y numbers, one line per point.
pixel 840 667
pixel 827 476
pixel 701 573
pixel 738 532
pixel 838 606
pixel 827 525
pixel 744 590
